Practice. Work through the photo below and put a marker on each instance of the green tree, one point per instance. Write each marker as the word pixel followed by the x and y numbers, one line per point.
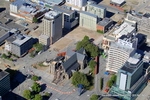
pixel 27 94
pixel 38 47
pixel 35 20
pixel 38 97
pixel 101 83
pixel 36 87
pixel 4 56
pixel 47 94
pixel 94 97
pixel 113 78
pixel 92 64
pixel 35 78
pixel 80 78
pixel 110 83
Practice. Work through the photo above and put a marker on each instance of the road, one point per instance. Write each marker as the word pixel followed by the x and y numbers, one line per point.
pixel 141 5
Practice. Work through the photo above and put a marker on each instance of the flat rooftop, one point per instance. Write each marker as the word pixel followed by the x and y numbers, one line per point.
pixel 118 1
pixel 124 29
pixel 21 39
pixel 120 46
pixel 51 14
pixel 3 74
pixel 63 9
pixel 57 2
pixel 89 14
pixel 104 22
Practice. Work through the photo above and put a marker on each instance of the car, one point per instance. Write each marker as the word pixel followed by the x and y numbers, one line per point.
pixel 35 27
pixel 25 29
pixel 57 99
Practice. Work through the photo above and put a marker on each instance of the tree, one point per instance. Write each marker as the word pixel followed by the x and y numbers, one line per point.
pixel 35 78
pixel 101 83
pixel 80 78
pixel 109 83
pixel 4 56
pixel 38 97
pixel 113 78
pixel 38 47
pixel 35 20
pixel 92 64
pixel 27 94
pixel 36 87
pixel 94 97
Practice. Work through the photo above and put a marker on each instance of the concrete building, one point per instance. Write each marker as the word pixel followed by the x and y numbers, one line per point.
pixel 124 29
pixel 14 6
pixel 52 25
pixel 117 2
pixel 88 20
pixel 130 79
pixel 104 25
pixel 4 82
pixel 44 39
pixel 27 11
pixel 78 3
pixel 120 51
pixel 98 10
pixel 70 18
pixel 19 44
pixel 143 21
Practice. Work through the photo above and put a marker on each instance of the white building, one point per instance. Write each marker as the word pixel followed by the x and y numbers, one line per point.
pixel 78 3
pixel 120 51
pixel 52 25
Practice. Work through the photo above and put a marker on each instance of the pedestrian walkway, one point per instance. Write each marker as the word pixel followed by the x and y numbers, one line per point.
pixel 61 92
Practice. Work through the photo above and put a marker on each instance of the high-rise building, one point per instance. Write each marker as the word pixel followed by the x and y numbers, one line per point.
pixel 120 51
pixel 130 79
pixel 52 25
pixel 4 82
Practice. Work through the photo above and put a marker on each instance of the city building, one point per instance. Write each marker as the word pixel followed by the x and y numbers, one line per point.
pixel 124 29
pixel 130 79
pixel 98 10
pixel 4 35
pixel 105 25
pixel 70 18
pixel 63 67
pixel 18 44
pixel 88 20
pixel 117 2
pixel 44 39
pixel 120 51
pixel 4 82
pixel 27 11
pixel 52 25
pixel 77 3
pixel 143 21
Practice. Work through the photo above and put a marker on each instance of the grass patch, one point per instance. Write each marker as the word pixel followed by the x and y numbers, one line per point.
pixel 99 31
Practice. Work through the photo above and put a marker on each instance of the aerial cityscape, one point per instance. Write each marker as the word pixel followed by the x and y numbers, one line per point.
pixel 74 49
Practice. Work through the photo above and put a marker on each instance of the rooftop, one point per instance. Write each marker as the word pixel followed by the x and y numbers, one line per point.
pixel 89 14
pixel 3 74
pixel 118 1
pixel 63 9
pixel 27 8
pixel 57 2
pixel 122 47
pixel 104 22
pixel 51 14
pixel 124 29
pixel 132 63
pixel 18 3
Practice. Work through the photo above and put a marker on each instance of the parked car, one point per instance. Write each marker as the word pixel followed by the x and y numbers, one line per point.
pixel 35 27
pixel 106 73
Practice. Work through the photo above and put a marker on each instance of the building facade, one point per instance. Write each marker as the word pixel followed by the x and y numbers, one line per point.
pixel 52 25
pixel 120 51
pixel 19 44
pixel 4 82
pixel 130 79
pixel 70 18
pixel 98 10
pixel 78 3
pixel 88 20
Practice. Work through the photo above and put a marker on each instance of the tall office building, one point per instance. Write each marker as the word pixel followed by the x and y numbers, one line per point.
pixel 130 79
pixel 4 82
pixel 120 51
pixel 52 25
